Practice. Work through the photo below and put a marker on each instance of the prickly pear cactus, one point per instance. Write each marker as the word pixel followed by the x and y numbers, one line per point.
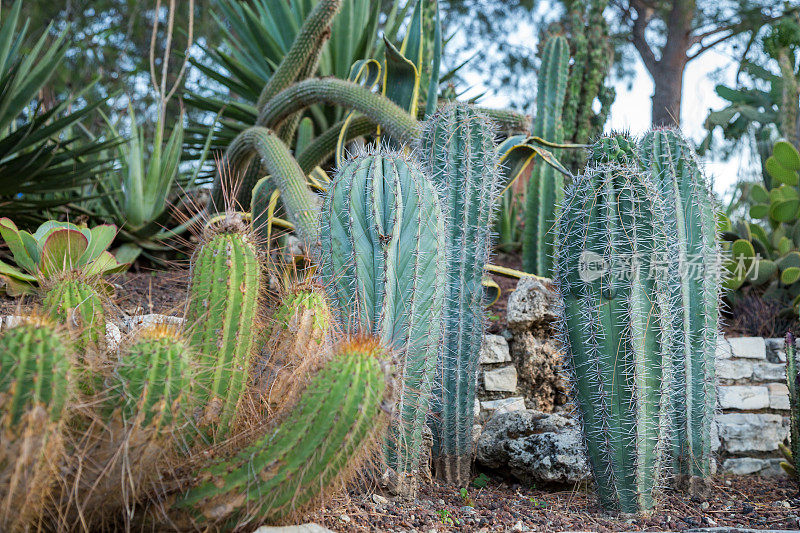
pixel 382 263
pixel 319 446
pixel 616 328
pixel 545 187
pixel 458 152
pixel 222 320
pixel 695 291
pixel 34 391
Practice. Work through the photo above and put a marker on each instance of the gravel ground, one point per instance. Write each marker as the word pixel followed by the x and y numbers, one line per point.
pixel 747 502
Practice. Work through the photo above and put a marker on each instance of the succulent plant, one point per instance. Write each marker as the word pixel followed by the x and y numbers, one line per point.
pixel 459 154
pixel 34 388
pixel 75 300
pixel 695 284
pixel 616 327
pixel 382 263
pixel 546 185
pixel 792 453
pixel 53 249
pixel 222 318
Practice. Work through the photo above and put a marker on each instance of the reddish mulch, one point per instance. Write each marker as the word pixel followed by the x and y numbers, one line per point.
pixel 746 502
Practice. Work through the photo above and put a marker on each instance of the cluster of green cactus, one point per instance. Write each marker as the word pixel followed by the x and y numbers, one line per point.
pixel 383 259
pixel 768 255
pixel 792 453
pixel 164 437
pixel 636 264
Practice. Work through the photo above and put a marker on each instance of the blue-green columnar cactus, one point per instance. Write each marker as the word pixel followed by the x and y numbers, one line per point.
pixel 792 452
pixel 545 187
pixel 458 152
pixel 382 263
pixel 616 328
pixel 695 290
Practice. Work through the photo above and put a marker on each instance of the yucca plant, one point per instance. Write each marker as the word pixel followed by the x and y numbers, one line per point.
pixel 42 160
pixel 53 249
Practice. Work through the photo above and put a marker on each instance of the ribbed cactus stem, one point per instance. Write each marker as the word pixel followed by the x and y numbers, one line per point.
pixel 616 328
pixel 34 391
pixel 305 49
pixel 618 148
pixel 382 265
pixel 222 321
pixel 75 301
pixel 458 152
pixel 695 290
pixel 316 449
pixel 545 187
pixel 300 203
pixel 392 119
pixel 793 382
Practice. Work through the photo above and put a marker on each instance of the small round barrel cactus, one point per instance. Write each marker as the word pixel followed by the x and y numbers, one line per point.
pixel 616 327
pixel 222 320
pixel 383 251
pixel 74 300
pixel 34 392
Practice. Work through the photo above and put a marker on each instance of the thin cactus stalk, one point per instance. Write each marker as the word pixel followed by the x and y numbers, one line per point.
pixel 34 392
pixel 793 382
pixel 695 284
pixel 545 187
pixel 297 344
pixel 616 327
pixel 222 320
pixel 382 263
pixel 458 153
pixel 318 447
pixel 305 50
pixel 392 119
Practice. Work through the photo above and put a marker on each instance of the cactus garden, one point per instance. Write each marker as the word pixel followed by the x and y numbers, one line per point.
pixel 409 265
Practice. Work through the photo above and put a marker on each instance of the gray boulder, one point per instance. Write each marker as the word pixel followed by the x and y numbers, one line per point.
pixel 534 447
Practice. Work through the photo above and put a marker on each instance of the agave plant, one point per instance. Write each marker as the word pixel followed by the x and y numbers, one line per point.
pixel 54 248
pixel 41 161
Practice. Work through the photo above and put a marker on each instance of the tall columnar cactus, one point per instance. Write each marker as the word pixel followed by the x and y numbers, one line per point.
pixel 383 252
pixel 792 453
pixel 545 187
pixel 695 290
pixel 616 327
pixel 222 320
pixel 458 151
pixel 34 391
pixel 318 446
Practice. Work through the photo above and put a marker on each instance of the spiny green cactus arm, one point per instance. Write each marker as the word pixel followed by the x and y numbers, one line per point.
pixel 458 151
pixel 695 288
pixel 221 322
pixel 392 119
pixel 618 148
pixel 382 263
pixel 324 146
pixel 545 187
pixel 305 49
pixel 508 121
pixel 793 382
pixel 300 203
pixel 614 326
pixel 316 449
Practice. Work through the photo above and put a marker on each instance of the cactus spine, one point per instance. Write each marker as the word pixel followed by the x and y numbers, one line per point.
pixel 74 300
pixel 383 253
pixel 545 187
pixel 458 151
pixel 792 454
pixel 318 446
pixel 221 318
pixel 695 286
pixel 34 391
pixel 616 328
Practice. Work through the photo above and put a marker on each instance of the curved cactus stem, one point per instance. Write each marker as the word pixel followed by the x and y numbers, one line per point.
pixel 545 187
pixel 317 448
pixel 305 50
pixel 382 264
pixel 324 146
pixel 34 392
pixel 616 328
pixel 392 119
pixel 221 322
pixel 508 121
pixel 458 151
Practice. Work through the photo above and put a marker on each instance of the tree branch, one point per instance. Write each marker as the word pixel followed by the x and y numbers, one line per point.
pixel 638 39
